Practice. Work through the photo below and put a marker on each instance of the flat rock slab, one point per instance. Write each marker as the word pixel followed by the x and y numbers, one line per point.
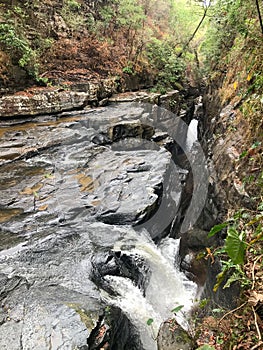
pixel 55 100
pixel 63 173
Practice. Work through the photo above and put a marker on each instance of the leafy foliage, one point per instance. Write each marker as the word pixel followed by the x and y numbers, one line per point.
pixel 177 309
pixel 72 15
pixel 229 19
pixel 18 45
pixel 145 36
pixel 242 262
pixel 217 228
pixel 16 38
pixel 149 321
pixel 235 245
pixel 206 347
pixel 162 56
pixel 153 33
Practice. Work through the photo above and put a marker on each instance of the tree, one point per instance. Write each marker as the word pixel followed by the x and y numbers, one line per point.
pixel 205 4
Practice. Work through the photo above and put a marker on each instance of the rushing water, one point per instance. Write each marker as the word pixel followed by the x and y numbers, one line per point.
pixel 191 134
pixel 167 288
pixel 75 194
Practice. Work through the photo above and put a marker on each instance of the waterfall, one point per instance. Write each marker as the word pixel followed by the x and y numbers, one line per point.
pixel 167 287
pixel 85 209
pixel 191 137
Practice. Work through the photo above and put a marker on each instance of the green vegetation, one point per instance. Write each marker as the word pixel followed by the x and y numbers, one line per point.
pixel 15 41
pixel 72 15
pixel 149 321
pixel 244 233
pixel 156 38
pixel 234 36
pixel 231 60
pixel 163 59
pixel 177 309
pixel 159 39
pixel 145 36
pixel 86 317
pixel 153 33
pixel 205 347
pixel 241 257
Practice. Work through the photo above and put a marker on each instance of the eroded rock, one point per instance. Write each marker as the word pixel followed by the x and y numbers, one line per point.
pixel 172 336
pixel 116 263
pixel 56 100
pixel 51 301
pixel 52 194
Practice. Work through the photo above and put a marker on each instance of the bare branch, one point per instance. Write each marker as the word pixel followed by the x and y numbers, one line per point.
pixel 206 6
pixel 259 16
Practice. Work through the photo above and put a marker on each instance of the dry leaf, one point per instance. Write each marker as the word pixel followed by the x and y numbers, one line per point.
pixel 254 298
pixel 249 77
pixel 32 190
pixel 27 191
pixel 95 202
pixel 43 207
pixel 86 182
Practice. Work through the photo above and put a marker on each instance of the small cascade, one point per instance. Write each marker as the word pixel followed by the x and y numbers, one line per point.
pixel 167 287
pixel 191 137
pixel 131 301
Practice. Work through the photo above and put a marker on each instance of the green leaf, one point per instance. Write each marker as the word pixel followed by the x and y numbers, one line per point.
pixel 149 321
pixel 48 176
pixel 217 311
pixel 256 144
pixel 243 154
pixel 203 303
pixel 219 251
pixel 177 309
pixel 245 216
pixel 257 218
pixel 205 347
pixel 220 341
pixel 233 278
pixel 216 229
pixel 219 279
pixel 35 194
pixel 235 246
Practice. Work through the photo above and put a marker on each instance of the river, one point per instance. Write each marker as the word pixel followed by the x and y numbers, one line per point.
pixel 87 202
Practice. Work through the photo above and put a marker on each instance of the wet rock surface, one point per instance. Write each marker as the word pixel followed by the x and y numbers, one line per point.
pixel 118 181
pixel 71 190
pixel 48 300
pixel 173 337
pixel 116 263
pixel 227 133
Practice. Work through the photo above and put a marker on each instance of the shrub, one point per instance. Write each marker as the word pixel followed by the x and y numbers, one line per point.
pixel 163 58
pixel 19 46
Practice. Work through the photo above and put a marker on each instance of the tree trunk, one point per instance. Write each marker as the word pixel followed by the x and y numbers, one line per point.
pixel 194 33
pixel 259 16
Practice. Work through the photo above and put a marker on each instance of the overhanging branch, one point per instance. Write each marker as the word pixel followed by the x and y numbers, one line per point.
pixel 196 30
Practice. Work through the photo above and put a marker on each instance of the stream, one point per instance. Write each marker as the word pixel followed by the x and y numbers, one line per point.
pixel 88 201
